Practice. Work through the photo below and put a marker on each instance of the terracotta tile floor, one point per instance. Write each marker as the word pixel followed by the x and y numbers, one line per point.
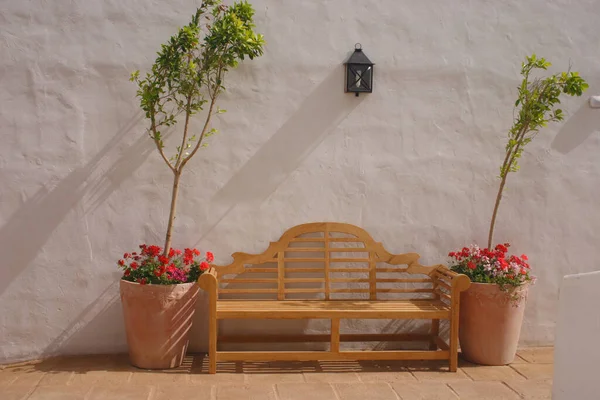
pixel 111 378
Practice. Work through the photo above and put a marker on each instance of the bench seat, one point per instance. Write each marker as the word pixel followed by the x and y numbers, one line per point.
pixel 300 309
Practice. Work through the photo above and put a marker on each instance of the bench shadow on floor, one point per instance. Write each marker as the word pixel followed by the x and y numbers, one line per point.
pixel 199 364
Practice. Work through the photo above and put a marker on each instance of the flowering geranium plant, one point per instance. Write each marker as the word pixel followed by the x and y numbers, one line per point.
pixel 492 266
pixel 150 266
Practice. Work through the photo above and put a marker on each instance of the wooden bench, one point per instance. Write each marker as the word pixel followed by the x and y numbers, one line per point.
pixel 332 271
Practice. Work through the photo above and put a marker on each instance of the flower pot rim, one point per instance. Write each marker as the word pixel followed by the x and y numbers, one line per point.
pixel 171 285
pixel 495 284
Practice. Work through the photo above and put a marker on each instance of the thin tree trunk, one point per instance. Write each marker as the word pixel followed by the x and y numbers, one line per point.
pixel 174 194
pixel 508 161
pixel 498 198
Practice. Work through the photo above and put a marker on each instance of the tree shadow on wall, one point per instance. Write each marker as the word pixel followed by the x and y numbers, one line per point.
pixel 29 228
pixel 577 129
pixel 321 112
pixel 100 323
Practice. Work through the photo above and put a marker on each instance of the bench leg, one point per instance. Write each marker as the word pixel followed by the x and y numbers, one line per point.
pixel 454 342
pixel 212 345
pixel 435 331
pixel 335 335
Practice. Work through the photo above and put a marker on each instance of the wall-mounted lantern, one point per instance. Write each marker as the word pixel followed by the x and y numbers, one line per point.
pixel 359 72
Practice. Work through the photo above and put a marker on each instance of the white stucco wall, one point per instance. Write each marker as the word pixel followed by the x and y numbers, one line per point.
pixel 576 359
pixel 414 163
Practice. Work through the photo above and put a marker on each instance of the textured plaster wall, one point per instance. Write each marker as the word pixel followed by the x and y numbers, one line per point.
pixel 414 163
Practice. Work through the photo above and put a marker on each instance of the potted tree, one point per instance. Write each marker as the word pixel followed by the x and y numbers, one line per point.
pixel 492 308
pixel 158 290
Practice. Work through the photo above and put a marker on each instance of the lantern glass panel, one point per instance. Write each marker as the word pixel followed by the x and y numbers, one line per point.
pixel 359 78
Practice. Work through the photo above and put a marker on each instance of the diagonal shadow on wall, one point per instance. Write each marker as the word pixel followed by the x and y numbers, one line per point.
pixel 99 320
pixel 29 228
pixel 577 129
pixel 321 112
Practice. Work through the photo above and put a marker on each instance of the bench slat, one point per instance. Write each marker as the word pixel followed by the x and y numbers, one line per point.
pixel 410 290
pixel 350 290
pixel 303 280
pixel 340 270
pixel 246 291
pixel 381 269
pixel 249 280
pixel 294 309
pixel 305 250
pixel 323 250
pixel 304 290
pixel 327 356
pixel 344 337
pixel 303 239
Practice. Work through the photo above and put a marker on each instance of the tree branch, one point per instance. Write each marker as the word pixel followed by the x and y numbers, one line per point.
pixel 157 143
pixel 213 100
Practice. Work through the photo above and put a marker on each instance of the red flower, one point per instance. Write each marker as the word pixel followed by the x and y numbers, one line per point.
pixel 171 253
pixel 160 271
pixel 121 262
pixel 134 265
pixel 196 252
pixel 188 256
pixel 204 266
pixel 163 259
pixel 471 265
pixel 503 264
pixel 153 250
pixel 127 272
pixel 126 255
pixel 143 281
pixel 524 257
pixel 210 257
pixel 523 271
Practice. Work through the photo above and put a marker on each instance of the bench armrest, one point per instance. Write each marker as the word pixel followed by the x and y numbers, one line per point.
pixel 457 282
pixel 208 281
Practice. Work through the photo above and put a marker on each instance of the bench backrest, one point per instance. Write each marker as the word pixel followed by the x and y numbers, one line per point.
pixel 325 260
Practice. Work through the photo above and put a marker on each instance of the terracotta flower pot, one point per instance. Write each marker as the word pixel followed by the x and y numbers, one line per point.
pixel 490 323
pixel 158 319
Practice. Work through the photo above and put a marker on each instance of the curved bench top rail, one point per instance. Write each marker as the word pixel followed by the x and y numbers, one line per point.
pixel 293 234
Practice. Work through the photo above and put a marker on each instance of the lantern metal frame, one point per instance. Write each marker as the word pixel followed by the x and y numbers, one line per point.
pixel 359 72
